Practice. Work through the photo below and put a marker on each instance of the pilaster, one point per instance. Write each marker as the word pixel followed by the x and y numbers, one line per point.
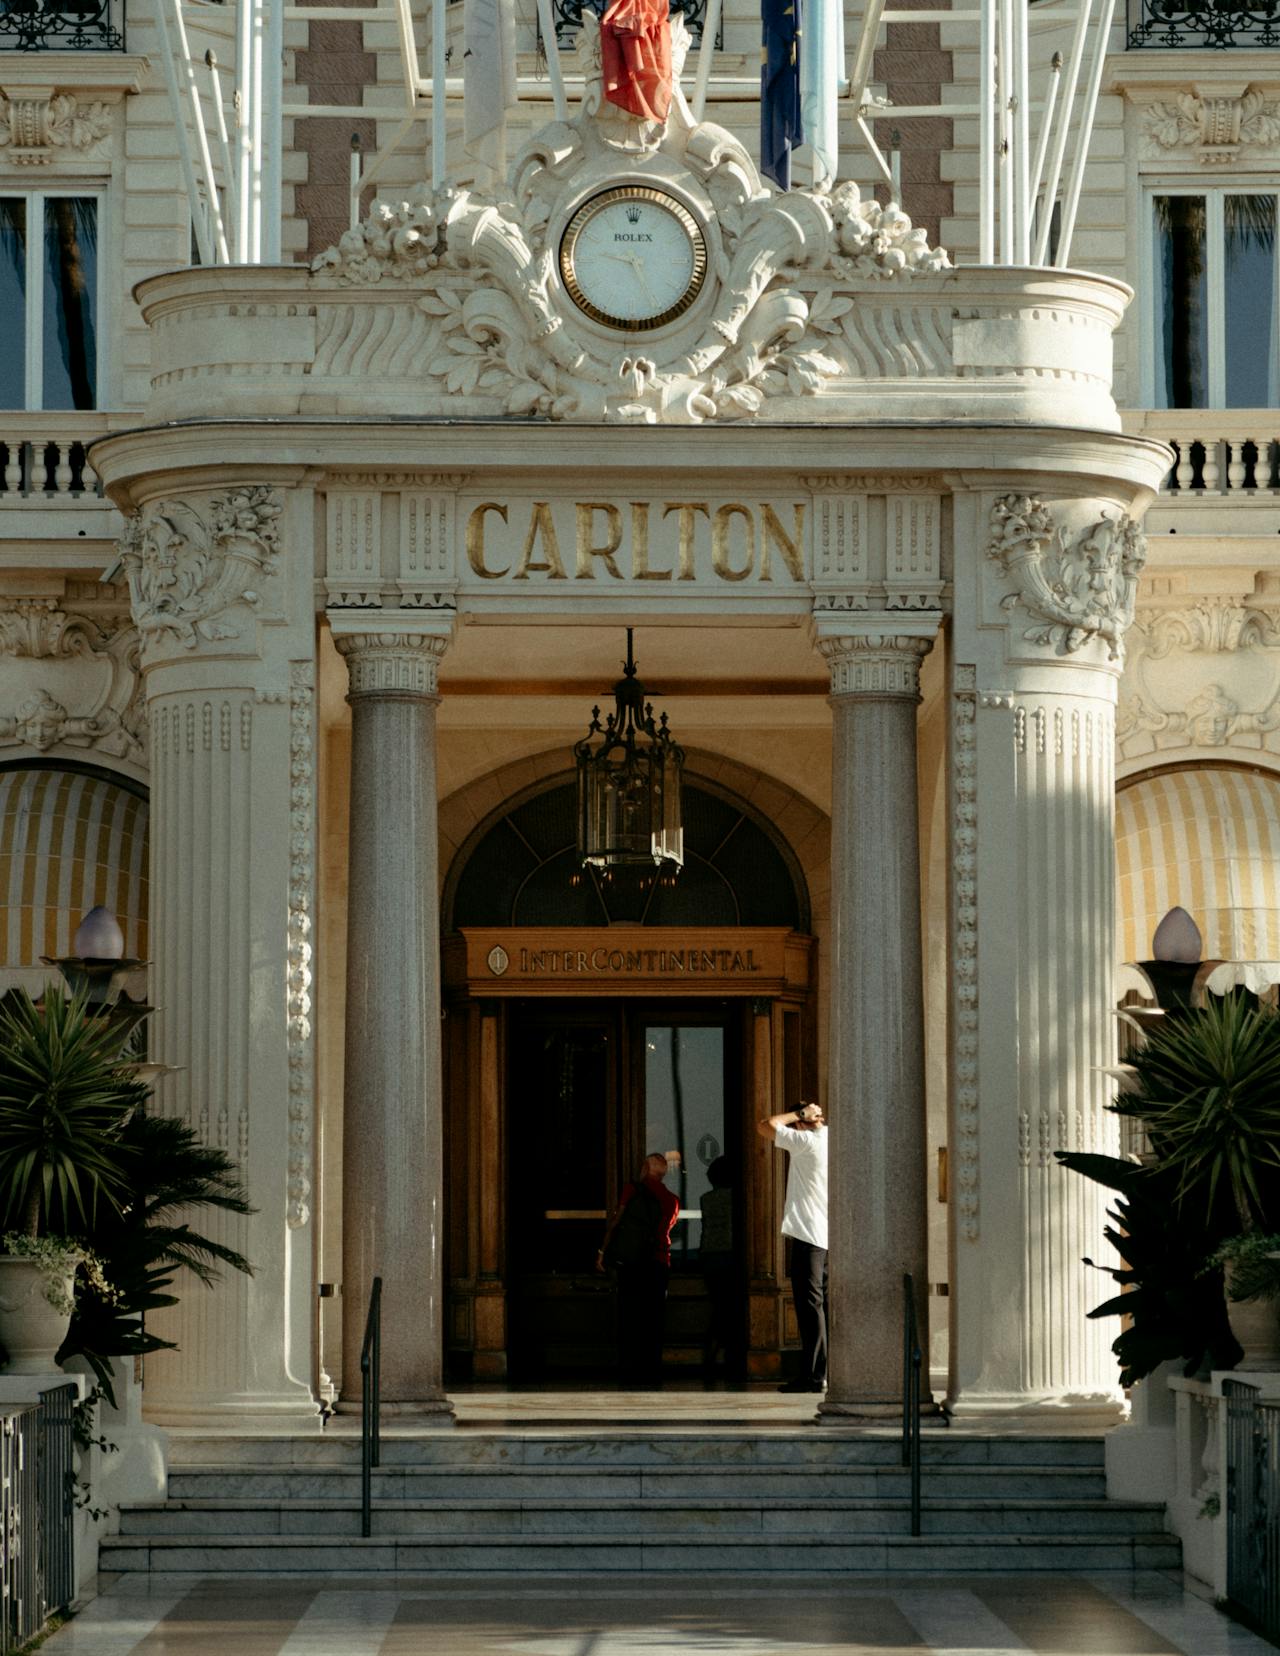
pixel 1045 590
pixel 219 587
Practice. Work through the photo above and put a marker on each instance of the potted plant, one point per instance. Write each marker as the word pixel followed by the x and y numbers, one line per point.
pixel 65 1096
pixel 1252 1264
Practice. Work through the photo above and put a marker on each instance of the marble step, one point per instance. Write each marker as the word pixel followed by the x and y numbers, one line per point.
pixel 634 1484
pixel 827 1446
pixel 776 1517
pixel 487 1553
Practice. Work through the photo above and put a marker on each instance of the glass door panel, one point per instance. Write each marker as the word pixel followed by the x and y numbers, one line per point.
pixel 684 1117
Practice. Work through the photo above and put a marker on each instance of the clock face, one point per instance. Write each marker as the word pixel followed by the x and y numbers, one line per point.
pixel 633 258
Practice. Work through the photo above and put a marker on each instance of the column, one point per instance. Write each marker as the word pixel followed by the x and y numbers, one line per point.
pixel 228 642
pixel 392 1140
pixel 1044 591
pixel 876 1098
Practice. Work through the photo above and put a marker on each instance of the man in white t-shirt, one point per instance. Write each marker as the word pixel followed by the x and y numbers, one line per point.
pixel 802 1133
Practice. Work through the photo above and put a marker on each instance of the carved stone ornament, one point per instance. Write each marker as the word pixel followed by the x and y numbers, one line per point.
pixel 501 331
pixel 1216 125
pixel 39 126
pixel 186 571
pixel 1206 675
pixel 87 692
pixel 1075 589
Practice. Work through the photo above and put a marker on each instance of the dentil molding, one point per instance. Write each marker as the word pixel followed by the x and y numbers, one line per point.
pixel 1077 589
pixel 90 696
pixel 39 125
pixel 188 568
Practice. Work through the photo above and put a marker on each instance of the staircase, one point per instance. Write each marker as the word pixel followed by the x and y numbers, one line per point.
pixel 627 1500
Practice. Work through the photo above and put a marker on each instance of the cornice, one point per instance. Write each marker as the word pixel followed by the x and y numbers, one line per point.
pixel 121 73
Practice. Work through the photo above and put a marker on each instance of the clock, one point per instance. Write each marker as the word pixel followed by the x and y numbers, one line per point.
pixel 633 258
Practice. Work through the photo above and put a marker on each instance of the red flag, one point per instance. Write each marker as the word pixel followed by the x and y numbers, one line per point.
pixel 635 53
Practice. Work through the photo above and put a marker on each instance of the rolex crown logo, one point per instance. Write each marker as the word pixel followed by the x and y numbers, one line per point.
pixel 633 215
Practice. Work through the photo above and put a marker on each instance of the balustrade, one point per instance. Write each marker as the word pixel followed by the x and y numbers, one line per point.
pixel 1234 453
pixel 62 25
pixel 43 458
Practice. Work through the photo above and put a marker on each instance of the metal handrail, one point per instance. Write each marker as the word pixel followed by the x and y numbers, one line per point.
pixel 912 1363
pixel 370 1404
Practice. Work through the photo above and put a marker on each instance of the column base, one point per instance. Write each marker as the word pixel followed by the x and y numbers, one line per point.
pixel 1069 1411
pixel 248 1414
pixel 433 1412
pixel 836 1411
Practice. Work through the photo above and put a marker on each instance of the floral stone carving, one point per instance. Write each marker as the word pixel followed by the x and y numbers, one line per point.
pixel 92 662
pixel 1075 589
pixel 186 573
pixel 502 329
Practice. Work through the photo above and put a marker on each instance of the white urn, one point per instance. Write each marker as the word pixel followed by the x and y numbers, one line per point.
pixel 31 1328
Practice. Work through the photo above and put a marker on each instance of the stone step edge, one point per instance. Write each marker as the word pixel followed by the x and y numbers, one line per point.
pixel 578 1503
pixel 217 1543
pixel 589 1469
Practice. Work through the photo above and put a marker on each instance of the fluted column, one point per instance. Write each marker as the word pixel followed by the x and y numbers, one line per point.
pixel 876 1067
pixel 392 1141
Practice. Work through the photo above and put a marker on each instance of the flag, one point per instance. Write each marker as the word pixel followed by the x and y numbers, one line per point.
pixel 635 54
pixel 781 123
pixel 821 67
pixel 488 78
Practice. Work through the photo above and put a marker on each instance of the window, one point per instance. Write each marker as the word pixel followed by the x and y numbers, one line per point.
pixel 49 274
pixel 1215 304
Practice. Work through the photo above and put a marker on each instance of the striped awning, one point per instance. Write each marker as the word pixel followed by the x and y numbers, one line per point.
pixel 68 841
pixel 1208 840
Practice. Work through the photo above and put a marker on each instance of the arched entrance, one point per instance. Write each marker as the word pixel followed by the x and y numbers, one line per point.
pixel 589 1020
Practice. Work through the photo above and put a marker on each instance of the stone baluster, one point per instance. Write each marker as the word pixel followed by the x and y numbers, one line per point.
pixel 62 469
pixel 392 1141
pixel 1185 469
pixel 1212 472
pixel 13 465
pixel 877 1217
pixel 1236 466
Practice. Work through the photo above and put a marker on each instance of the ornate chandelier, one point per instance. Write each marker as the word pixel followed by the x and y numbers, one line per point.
pixel 629 812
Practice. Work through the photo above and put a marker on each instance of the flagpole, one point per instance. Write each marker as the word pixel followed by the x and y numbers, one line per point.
pixel 1042 146
pixel 986 133
pixel 439 65
pixel 1087 113
pixel 706 50
pixel 1064 127
pixel 555 74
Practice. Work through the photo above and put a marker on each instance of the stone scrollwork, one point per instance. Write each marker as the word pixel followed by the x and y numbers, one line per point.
pixel 301 905
pixel 88 692
pixel 1076 589
pixel 187 571
pixel 501 331
pixel 37 128
pixel 1217 125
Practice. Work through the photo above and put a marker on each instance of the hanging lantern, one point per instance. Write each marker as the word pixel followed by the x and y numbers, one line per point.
pixel 629 812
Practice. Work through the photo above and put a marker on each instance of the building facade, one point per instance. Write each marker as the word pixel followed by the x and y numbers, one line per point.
pixel 958 583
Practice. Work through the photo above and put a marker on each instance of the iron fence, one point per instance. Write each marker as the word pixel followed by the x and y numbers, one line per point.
pixel 1253 1506
pixel 62 25
pixel 37 1514
pixel 1202 24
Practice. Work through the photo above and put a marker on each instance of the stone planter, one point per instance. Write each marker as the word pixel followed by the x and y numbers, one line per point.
pixel 1256 1324
pixel 30 1327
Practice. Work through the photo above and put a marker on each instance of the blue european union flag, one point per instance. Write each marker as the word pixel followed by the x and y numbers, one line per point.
pixel 781 126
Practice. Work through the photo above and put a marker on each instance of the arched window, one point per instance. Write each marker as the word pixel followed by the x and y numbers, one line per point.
pixel 521 869
pixel 1208 840
pixel 71 837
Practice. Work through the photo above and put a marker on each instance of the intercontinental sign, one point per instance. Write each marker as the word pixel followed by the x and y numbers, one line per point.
pixel 631 960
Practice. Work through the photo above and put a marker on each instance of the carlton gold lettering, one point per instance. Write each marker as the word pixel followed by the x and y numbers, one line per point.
pixel 687 510
pixel 475 541
pixel 721 561
pixel 586 512
pixel 542 527
pixel 640 570
pixel 788 549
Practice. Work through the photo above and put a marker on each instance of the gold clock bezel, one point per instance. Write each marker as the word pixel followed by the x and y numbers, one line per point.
pixel 633 192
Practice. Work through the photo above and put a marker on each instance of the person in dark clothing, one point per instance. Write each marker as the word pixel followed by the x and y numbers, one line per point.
pixel 637 1244
pixel 718 1264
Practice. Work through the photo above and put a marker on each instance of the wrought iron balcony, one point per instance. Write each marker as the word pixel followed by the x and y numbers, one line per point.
pixel 1203 24
pixel 62 25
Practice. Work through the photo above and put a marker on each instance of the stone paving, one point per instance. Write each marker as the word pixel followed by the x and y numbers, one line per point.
pixel 1112 1615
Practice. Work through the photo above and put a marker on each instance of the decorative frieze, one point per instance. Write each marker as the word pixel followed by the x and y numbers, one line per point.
pixel 353 548
pixel 40 125
pixel 913 576
pixel 188 569
pixel 1077 589
pixel 964 942
pixel 1216 122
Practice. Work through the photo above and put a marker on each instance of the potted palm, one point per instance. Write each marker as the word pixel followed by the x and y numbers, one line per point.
pixel 65 1096
pixel 1206 1084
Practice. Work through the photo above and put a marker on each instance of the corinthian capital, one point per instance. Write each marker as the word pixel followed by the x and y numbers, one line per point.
pixel 873 664
pixel 403 663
